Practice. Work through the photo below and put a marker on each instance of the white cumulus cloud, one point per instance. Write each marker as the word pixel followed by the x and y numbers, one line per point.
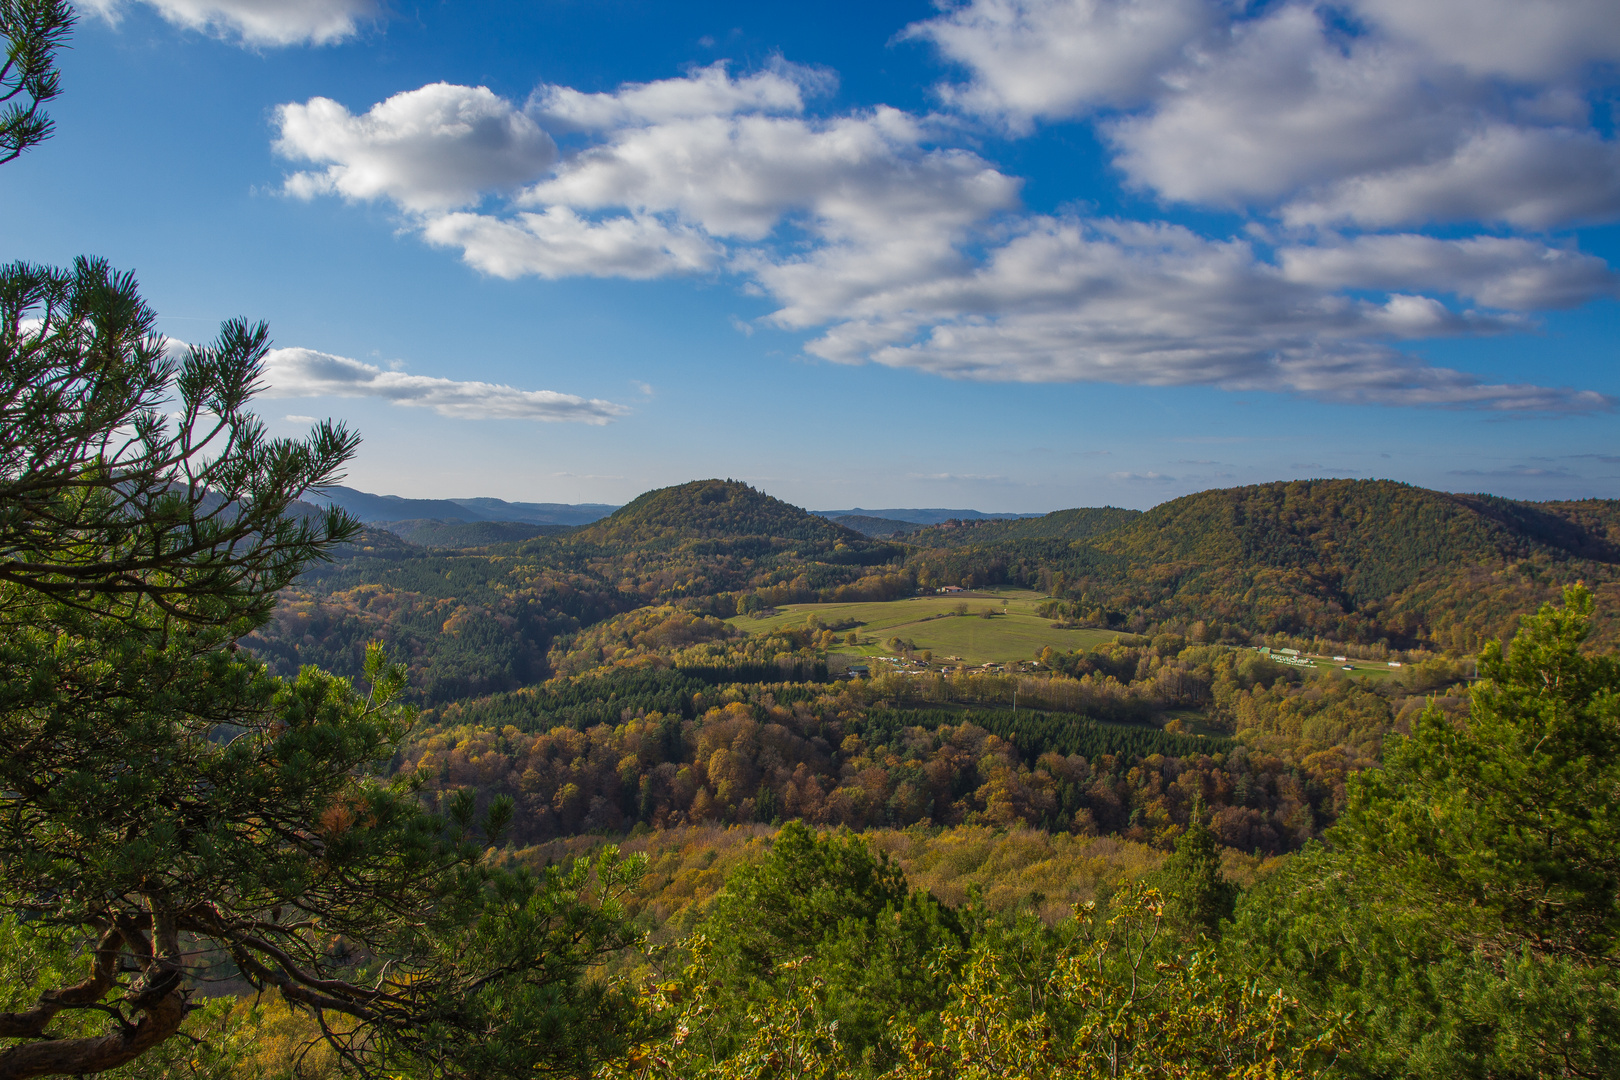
pixel 1058 58
pixel 560 243
pixel 1109 301
pixel 1378 113
pixel 1534 178
pixel 1526 41
pixel 738 176
pixel 1281 107
pixel 257 22
pixel 889 244
pixel 701 192
pixel 1500 272
pixel 438 147
pixel 292 373
pixel 709 91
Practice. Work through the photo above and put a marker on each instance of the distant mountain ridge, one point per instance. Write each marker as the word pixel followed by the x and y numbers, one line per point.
pixel 374 509
pixel 414 514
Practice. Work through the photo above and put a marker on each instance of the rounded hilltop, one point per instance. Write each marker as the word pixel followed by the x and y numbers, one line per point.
pixel 1361 540
pixel 713 510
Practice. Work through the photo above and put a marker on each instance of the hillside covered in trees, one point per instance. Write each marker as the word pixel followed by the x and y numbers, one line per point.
pixel 963 891
pixel 593 679
pixel 1345 560
pixel 1351 563
pixel 713 510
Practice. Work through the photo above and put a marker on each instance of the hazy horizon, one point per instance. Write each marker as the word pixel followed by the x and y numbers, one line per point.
pixel 914 507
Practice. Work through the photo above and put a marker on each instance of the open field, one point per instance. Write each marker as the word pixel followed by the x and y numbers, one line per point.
pixel 1360 669
pixel 1013 631
pixel 1371 669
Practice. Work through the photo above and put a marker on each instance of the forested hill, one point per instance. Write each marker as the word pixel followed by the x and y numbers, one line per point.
pixel 713 509
pixel 1340 560
pixel 1348 560
pixel 476 621
pixel 1362 539
pixel 867 525
pixel 1083 523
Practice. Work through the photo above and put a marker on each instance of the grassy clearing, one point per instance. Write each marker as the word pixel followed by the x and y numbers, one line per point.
pixel 1195 722
pixel 1012 632
pixel 1359 669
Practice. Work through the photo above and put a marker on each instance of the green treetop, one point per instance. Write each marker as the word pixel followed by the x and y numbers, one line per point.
pixel 1465 916
pixel 1507 825
pixel 1197 896
pixel 33 30
pixel 828 909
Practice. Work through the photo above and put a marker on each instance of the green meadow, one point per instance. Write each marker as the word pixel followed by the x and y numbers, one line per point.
pixel 1360 669
pixel 1013 630
pixel 1369 669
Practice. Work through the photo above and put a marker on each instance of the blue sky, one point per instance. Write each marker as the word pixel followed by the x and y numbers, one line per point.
pixel 1014 255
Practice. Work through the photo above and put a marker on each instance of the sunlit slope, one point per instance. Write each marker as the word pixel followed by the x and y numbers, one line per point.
pixel 1355 558
pixel 1362 539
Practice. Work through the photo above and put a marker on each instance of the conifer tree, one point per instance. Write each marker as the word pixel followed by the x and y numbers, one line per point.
pixel 1197 896
pixel 33 30
pixel 167 807
pixel 1466 913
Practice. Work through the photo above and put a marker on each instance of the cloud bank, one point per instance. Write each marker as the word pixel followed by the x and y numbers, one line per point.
pixel 887 237
pixel 292 373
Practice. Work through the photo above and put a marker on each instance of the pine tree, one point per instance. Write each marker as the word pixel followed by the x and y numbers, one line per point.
pixel 1197 895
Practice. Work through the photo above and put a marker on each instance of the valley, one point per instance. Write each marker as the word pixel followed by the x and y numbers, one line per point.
pixel 687 660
